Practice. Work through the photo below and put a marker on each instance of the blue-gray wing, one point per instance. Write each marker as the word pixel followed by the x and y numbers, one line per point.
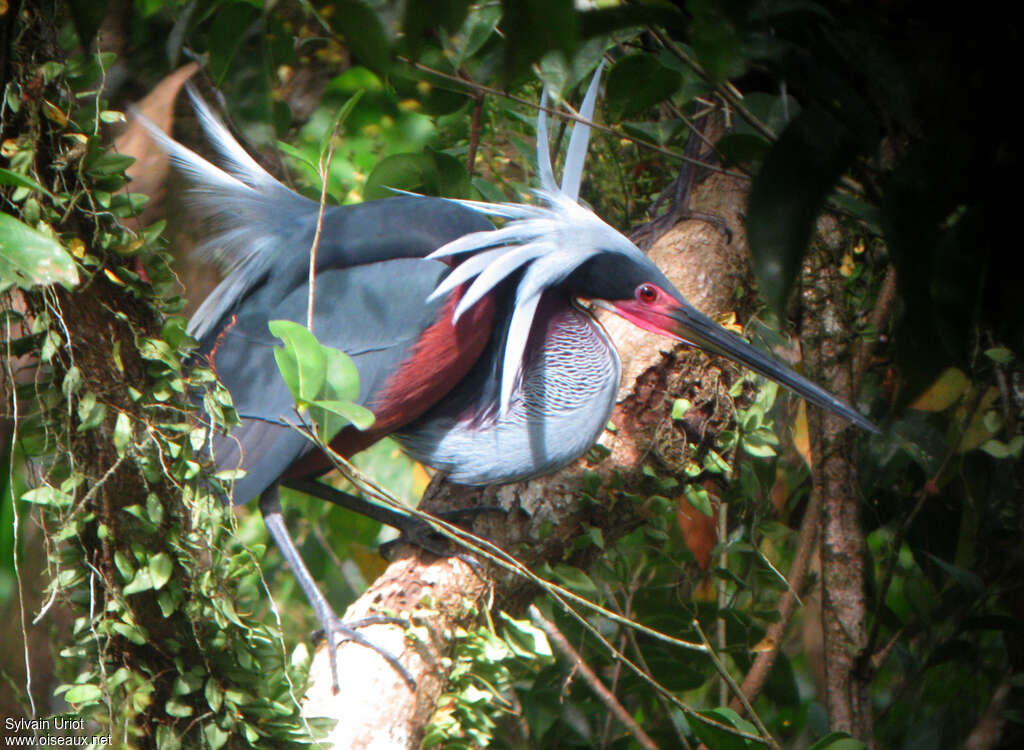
pixel 374 313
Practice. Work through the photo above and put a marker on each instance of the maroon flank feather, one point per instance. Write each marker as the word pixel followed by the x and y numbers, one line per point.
pixel 443 356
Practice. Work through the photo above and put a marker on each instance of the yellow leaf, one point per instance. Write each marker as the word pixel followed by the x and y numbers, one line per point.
pixel 420 479
pixel 113 277
pixel 728 321
pixel 846 269
pixel 54 113
pixel 947 389
pixel 801 434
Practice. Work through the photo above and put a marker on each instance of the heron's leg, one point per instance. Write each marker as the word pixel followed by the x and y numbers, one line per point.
pixel 270 507
pixel 414 531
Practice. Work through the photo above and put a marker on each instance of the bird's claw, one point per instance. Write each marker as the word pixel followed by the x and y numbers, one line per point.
pixel 348 631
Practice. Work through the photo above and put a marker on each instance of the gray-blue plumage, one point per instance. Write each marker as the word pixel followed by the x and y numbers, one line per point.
pixel 560 404
pixel 373 325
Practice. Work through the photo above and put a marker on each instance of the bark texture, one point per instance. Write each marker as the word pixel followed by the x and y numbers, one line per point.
pixel 828 359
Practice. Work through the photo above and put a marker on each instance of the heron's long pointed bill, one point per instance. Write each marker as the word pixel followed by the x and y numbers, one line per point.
pixel 688 325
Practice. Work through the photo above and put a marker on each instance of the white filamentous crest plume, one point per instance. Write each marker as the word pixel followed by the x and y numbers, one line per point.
pixel 550 239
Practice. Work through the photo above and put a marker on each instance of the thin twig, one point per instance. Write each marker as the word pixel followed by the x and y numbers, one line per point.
pixel 325 171
pixel 723 562
pixel 16 520
pixel 766 736
pixel 592 680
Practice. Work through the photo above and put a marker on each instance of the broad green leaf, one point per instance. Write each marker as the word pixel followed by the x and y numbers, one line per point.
pixel 332 416
pixel 532 28
pixel 122 432
pixel 83 694
pixel 160 568
pixel 714 737
pixel 699 498
pixel 412 172
pixel 366 38
pixel 838 741
pixel 141 582
pixel 679 408
pixel 422 20
pixel 660 131
pixel 1000 355
pixel 638 82
pixel 29 257
pixel 998 449
pixel 46 495
pixel 302 361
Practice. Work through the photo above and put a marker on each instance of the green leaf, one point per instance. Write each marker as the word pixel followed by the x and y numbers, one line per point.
pixel 679 408
pixel 838 741
pixel 215 736
pixel 533 27
pixel 7 177
pixel 997 449
pixel 716 738
pixel 160 568
pixel 178 709
pixel 339 120
pixel 364 34
pixel 29 257
pixel 788 194
pixel 342 376
pixel 83 694
pixel 46 495
pixel 638 82
pixel 659 131
pixel 699 498
pixel 999 355
pixel 141 582
pixel 429 173
pixel 302 361
pixel 525 639
pixel 122 432
pixel 412 172
pixel 348 412
pixel 214 694
pixel 423 20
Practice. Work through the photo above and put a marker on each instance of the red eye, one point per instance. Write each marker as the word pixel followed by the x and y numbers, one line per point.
pixel 647 293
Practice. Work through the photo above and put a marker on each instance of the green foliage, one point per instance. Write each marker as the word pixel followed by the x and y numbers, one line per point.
pixel 487 667
pixel 168 646
pixel 322 380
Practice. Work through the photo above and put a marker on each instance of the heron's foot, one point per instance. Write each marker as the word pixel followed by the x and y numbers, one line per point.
pixel 337 632
pixel 421 534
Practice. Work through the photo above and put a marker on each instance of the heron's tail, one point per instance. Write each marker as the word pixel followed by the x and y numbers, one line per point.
pixel 251 215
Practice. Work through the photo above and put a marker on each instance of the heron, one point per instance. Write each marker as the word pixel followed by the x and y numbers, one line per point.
pixel 476 345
